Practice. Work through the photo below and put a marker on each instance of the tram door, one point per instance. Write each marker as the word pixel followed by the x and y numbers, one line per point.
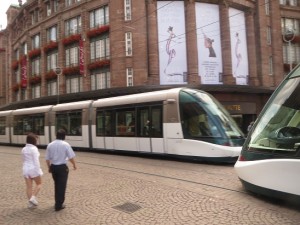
pixel 150 129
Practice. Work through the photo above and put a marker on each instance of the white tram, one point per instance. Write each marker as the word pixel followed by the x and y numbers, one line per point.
pixel 179 122
pixel 270 160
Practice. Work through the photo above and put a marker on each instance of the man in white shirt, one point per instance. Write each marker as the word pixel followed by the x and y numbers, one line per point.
pixel 58 152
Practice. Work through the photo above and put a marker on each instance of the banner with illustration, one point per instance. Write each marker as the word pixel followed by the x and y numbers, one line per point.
pixel 172 42
pixel 239 53
pixel 81 57
pixel 24 72
pixel 209 43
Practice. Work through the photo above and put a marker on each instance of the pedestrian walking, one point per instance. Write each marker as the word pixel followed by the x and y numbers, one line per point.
pixel 58 153
pixel 32 171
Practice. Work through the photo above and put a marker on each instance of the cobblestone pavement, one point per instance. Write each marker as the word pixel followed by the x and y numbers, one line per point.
pixel 113 189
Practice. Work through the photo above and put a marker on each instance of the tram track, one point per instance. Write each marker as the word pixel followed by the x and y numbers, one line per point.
pixel 163 176
pixel 150 162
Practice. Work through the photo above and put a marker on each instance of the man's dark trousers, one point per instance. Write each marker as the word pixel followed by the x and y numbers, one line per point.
pixel 60 176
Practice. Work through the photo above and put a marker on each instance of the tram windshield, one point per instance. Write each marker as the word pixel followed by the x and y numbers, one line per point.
pixel 277 129
pixel 204 118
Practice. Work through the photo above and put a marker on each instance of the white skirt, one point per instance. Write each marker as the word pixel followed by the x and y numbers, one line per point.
pixel 30 171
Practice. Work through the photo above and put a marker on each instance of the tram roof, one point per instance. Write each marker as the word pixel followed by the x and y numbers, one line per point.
pixel 114 92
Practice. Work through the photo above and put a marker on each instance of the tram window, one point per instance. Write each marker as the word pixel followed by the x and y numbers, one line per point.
pixel 70 122
pixel 103 123
pixel 144 122
pixel 150 121
pixel 2 126
pixel 156 123
pixel 125 122
pixel 196 123
pixel 26 124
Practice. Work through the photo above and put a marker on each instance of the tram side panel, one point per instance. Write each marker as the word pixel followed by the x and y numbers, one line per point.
pixel 5 127
pixel 75 123
pixel 172 128
pixel 31 120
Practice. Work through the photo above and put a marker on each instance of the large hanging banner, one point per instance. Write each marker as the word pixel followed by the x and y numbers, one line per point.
pixel 81 57
pixel 209 43
pixel 172 42
pixel 239 53
pixel 24 72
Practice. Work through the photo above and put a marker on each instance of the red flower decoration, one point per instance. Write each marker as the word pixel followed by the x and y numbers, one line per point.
pixel 16 87
pixel 15 65
pixel 71 39
pixel 35 80
pixel 296 39
pixel 99 64
pixel 50 46
pixel 34 53
pixel 97 31
pixel 71 70
pixel 50 75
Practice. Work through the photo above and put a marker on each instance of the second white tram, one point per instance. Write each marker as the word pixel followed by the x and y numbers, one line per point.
pixel 180 122
pixel 270 159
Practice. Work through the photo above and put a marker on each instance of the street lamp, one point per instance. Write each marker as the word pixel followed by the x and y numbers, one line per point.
pixel 288 37
pixel 58 72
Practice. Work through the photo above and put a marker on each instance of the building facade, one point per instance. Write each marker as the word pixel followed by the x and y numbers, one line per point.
pixel 238 50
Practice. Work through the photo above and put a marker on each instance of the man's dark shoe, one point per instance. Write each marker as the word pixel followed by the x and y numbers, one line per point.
pixel 60 208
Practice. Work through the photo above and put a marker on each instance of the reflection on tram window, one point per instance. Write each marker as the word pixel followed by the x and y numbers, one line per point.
pixel 196 123
pixel 125 122
pixel 70 122
pixel 29 124
pixel 2 125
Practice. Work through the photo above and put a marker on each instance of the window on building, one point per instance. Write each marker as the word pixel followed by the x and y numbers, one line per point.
pixel 291 53
pixel 35 66
pixel 100 80
pixel 290 24
pixel 128 43
pixel 24 48
pixel 17 54
pixel 52 87
pixel 99 48
pixel 52 34
pixel 36 91
pixel 127 9
pixel 282 2
pixel 22 94
pixel 267 7
pixel 74 84
pixel 72 56
pixel 36 41
pixel 129 76
pixel 34 16
pixel 293 2
pixel 271 65
pixel 99 17
pixel 269 35
pixel 55 5
pixel 48 8
pixel 73 26
pixel 52 60
pixel 68 2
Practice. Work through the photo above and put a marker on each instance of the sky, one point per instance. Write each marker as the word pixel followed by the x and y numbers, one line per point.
pixel 4 7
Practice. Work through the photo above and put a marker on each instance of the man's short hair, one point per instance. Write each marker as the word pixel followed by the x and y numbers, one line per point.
pixel 61 134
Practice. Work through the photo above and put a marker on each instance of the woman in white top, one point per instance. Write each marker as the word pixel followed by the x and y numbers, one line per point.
pixel 31 169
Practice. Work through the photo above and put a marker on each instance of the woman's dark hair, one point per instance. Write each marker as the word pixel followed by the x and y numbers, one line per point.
pixel 61 134
pixel 31 139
